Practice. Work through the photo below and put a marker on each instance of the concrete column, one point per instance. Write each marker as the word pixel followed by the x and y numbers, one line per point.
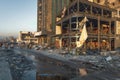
pixel 98 33
pixel 110 35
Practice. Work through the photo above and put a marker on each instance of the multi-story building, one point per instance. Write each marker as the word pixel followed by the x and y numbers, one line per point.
pixel 116 5
pixel 101 26
pixel 46 15
pixel 44 20
pixel 57 22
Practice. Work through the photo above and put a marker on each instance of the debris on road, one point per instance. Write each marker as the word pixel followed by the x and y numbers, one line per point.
pixel 18 63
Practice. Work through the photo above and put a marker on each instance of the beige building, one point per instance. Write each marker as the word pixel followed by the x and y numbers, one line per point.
pixel 102 26
pixel 54 21
pixel 116 5
pixel 27 37
pixel 46 14
pixel 44 20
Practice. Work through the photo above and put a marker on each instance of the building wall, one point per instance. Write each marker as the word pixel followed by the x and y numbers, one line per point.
pixel 44 19
pixel 46 16
pixel 39 15
pixel 57 7
pixel 47 11
pixel 117 41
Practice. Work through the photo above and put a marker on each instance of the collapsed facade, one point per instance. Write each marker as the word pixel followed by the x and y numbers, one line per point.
pixel 102 26
pixel 58 23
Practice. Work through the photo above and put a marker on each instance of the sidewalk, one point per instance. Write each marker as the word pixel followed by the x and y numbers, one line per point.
pixel 4 70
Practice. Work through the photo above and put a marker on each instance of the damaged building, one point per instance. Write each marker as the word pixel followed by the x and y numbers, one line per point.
pixel 27 37
pixel 58 23
pixel 102 26
pixel 46 19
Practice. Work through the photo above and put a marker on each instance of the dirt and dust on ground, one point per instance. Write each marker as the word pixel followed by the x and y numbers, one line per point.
pixel 20 67
pixel 95 67
pixel 105 68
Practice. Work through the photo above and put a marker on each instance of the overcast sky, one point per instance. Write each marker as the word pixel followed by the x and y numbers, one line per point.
pixel 17 15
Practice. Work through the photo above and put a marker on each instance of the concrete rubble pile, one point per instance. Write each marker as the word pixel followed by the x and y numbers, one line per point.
pixel 95 65
pixel 99 60
pixel 18 64
pixel 107 68
pixel 102 67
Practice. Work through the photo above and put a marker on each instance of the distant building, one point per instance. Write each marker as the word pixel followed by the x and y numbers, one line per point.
pixel 27 37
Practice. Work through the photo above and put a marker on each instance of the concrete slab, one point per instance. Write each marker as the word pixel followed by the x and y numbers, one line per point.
pixel 4 70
